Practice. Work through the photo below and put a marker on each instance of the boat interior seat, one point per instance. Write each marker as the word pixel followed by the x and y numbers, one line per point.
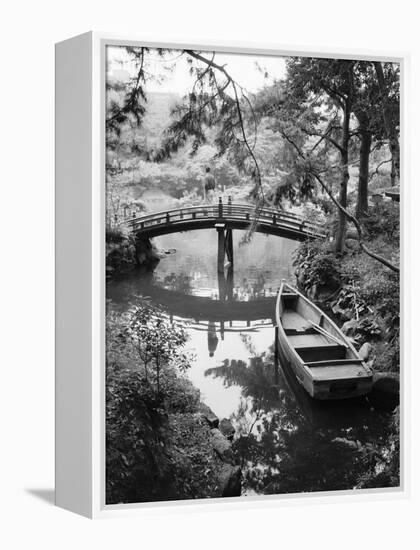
pixel 334 362
pixel 298 331
pixel 321 352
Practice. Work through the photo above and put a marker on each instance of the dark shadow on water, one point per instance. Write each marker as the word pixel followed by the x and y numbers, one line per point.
pixel 47 495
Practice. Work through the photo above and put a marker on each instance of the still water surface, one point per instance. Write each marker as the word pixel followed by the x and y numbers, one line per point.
pixel 286 442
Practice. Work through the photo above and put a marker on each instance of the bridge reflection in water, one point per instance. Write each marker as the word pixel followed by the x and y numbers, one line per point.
pixel 201 308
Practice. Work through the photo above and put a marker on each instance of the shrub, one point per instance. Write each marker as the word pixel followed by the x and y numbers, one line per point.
pixel 143 387
pixel 114 235
pixel 383 219
pixel 317 265
pixel 136 466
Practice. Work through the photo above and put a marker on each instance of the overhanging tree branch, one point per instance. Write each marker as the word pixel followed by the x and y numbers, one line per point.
pixel 344 211
pixel 376 171
pixel 129 106
pixel 235 86
pixel 358 227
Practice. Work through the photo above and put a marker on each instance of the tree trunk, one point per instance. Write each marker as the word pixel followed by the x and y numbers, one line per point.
pixel 389 124
pixel 393 172
pixel 364 154
pixel 344 152
pixel 394 147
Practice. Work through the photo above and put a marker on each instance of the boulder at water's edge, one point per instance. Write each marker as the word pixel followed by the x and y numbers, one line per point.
pixel 385 393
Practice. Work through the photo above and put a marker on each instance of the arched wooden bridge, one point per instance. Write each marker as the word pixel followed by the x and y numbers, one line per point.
pixel 227 215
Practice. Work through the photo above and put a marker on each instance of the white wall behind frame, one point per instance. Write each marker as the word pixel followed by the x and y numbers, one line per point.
pixel 30 30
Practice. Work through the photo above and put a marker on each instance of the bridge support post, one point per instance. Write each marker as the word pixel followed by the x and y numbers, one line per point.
pixel 229 254
pixel 229 246
pixel 221 281
pixel 220 250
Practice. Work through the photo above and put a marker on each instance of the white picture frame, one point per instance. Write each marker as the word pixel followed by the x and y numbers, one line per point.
pixel 80 276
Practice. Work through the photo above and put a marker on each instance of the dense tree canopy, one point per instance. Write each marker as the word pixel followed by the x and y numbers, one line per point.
pixel 300 136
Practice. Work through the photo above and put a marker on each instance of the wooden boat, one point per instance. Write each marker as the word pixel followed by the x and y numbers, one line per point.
pixel 322 358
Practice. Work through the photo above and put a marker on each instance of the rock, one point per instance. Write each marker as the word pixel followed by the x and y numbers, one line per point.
pixel 365 351
pixel 385 393
pixel 230 480
pixel 209 416
pixel 301 277
pixel 352 244
pixel 313 292
pixel 221 445
pixel 160 253
pixel 146 253
pixel 349 327
pixel 227 429
pixel 325 292
pixel 348 442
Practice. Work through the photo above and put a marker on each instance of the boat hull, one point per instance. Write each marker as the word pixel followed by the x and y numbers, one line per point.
pixel 326 390
pixel 334 378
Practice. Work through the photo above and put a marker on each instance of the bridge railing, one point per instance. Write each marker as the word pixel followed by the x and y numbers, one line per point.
pixel 269 214
pixel 221 211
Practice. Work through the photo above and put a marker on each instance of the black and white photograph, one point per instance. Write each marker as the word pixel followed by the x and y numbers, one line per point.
pixel 252 274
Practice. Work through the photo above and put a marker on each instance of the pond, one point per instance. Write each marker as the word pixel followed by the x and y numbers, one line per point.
pixel 286 442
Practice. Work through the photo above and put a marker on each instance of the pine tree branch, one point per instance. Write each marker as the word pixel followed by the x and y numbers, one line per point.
pixel 235 86
pixel 133 95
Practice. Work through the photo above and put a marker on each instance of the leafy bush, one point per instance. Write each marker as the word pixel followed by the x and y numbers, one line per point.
pixel 376 289
pixel 157 342
pixel 145 394
pixel 369 294
pixel 383 219
pixel 136 466
pixel 114 235
pixel 120 253
pixel 317 265
pixel 385 470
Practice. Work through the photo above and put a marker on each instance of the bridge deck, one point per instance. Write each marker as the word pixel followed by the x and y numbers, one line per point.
pixel 233 216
